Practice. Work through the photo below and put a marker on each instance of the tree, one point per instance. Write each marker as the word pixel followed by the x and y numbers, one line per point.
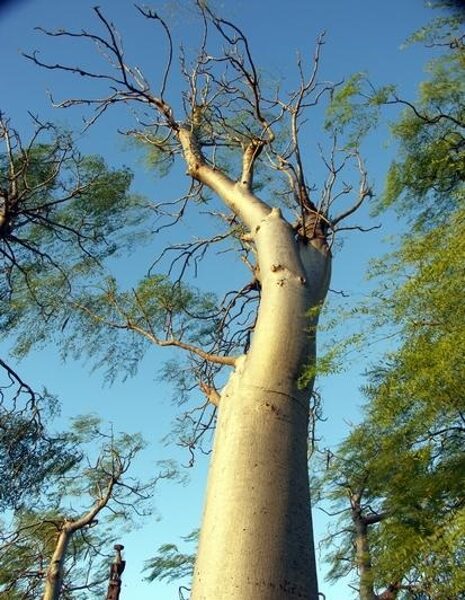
pixel 408 451
pixel 355 490
pixel 417 397
pixel 60 216
pixel 60 548
pixel 228 127
pixel 396 484
pixel 426 182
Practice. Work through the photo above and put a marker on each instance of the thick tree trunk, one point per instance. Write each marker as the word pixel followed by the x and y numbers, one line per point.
pixel 54 579
pixel 256 538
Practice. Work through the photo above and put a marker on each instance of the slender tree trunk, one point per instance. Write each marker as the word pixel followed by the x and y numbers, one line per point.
pixel 256 538
pixel 54 579
pixel 363 558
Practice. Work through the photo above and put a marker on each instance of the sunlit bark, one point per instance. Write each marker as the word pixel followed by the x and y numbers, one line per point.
pixel 256 538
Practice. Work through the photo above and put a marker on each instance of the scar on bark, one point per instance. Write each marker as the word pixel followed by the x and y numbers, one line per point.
pixel 276 268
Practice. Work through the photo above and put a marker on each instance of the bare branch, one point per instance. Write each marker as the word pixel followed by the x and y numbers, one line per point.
pixel 151 14
pixel 365 192
pixel 129 325
pixel 211 393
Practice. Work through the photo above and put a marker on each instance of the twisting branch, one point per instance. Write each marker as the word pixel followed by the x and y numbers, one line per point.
pixel 129 325
pixel 429 119
pixel 236 60
pixel 21 385
pixel 151 14
pixel 131 83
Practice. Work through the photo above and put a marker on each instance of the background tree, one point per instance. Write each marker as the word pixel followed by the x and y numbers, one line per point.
pixel 60 548
pixel 409 447
pixel 355 491
pixel 30 456
pixel 61 214
pixel 427 179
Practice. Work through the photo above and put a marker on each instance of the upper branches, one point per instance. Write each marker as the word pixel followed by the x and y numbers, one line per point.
pixel 238 135
pixel 229 112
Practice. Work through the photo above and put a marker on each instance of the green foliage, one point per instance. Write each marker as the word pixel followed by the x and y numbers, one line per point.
pixel 31 457
pixel 417 396
pixel 116 327
pixel 89 476
pixel 326 363
pixel 158 152
pixel 405 460
pixel 428 179
pixel 407 455
pixel 444 29
pixel 61 196
pixel 64 213
pixel 342 110
pixel 353 110
pixel 170 564
pixel 338 343
pixel 157 309
pixel 420 540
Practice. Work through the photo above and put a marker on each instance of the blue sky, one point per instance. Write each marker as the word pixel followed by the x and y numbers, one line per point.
pixel 362 35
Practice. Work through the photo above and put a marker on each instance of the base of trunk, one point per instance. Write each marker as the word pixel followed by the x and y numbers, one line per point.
pixel 256 541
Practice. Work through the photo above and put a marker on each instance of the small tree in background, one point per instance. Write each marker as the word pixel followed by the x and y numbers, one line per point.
pixel 59 548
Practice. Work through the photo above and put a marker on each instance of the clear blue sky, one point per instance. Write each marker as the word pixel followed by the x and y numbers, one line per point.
pixel 362 35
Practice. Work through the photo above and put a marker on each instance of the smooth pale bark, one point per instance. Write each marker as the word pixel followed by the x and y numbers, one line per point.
pixel 54 579
pixel 256 538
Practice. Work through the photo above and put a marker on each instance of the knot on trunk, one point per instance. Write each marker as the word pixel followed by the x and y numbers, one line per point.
pixel 311 226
